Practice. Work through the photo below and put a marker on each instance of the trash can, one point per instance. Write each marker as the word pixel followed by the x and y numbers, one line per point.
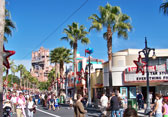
pixel 132 103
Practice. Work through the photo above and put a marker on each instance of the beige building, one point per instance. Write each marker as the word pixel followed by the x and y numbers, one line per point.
pixel 125 78
pixel 41 64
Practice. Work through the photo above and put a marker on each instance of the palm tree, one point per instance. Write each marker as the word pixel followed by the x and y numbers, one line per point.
pixel 2 25
pixel 114 20
pixel 75 33
pixel 53 59
pixel 21 68
pixel 62 55
pixel 51 77
pixel 164 7
pixel 13 68
pixel 8 25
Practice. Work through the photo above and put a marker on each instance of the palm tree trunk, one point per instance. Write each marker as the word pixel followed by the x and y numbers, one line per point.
pixel 61 73
pixel 74 62
pixel 56 73
pixel 7 71
pixel 27 84
pixel 24 84
pixel 109 46
pixel 2 25
pixel 20 79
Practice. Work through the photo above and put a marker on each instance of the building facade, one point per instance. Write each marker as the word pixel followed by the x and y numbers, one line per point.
pixel 81 78
pixel 128 82
pixel 41 64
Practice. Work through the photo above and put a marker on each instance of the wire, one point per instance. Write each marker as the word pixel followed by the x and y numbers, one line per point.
pixel 50 34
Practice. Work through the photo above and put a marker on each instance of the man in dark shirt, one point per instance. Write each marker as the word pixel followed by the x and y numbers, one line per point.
pixel 140 100
pixel 114 102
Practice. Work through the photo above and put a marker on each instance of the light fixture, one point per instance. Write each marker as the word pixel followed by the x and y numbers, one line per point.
pixel 154 55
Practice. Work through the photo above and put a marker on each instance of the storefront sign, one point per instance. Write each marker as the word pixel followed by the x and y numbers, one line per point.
pixel 153 76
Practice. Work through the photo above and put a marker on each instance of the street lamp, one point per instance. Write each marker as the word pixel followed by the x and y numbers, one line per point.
pixel 66 80
pixel 146 52
pixel 89 51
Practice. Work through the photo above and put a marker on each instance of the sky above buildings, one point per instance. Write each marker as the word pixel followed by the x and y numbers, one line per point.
pixel 41 23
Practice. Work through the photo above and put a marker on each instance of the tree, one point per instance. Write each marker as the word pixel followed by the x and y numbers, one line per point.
pixel 13 68
pixel 62 55
pixel 114 20
pixel 164 7
pixel 75 33
pixel 9 25
pixel 2 25
pixel 21 68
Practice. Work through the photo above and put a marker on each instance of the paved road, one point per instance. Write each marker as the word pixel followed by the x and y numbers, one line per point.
pixel 65 112
pixel 62 112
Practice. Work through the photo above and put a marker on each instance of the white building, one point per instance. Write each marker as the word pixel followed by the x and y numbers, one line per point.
pixel 125 78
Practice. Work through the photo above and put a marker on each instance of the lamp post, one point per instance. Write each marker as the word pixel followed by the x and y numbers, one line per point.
pixel 89 51
pixel 146 52
pixel 66 80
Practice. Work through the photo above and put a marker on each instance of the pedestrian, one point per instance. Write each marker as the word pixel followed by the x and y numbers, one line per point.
pixel 140 100
pixel 36 98
pixel 150 97
pixel 30 106
pixel 56 103
pixel 104 104
pixel 130 112
pixel 13 100
pixel 165 108
pixel 114 106
pixel 158 106
pixel 79 110
pixel 71 103
pixel 52 103
pixel 121 106
pixel 20 102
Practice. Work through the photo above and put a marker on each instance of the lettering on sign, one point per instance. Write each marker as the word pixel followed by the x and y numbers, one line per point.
pixel 153 76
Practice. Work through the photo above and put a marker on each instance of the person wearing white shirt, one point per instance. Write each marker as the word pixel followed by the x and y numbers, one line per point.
pixel 104 104
pixel 30 106
pixel 13 100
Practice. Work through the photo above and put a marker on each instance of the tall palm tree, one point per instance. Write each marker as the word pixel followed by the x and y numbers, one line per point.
pixel 164 7
pixel 114 20
pixel 13 68
pixel 53 59
pixel 51 77
pixel 2 25
pixel 62 55
pixel 75 33
pixel 9 25
pixel 21 68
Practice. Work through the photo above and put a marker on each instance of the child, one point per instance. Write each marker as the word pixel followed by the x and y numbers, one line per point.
pixel 57 103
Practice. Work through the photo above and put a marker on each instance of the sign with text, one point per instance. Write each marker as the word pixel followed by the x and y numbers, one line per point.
pixel 153 76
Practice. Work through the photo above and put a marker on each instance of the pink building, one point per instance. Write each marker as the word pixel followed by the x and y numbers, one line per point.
pixel 41 64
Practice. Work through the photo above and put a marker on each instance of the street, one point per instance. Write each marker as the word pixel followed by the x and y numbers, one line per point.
pixel 62 112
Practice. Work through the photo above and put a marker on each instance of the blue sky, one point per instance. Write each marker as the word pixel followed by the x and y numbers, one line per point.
pixel 36 19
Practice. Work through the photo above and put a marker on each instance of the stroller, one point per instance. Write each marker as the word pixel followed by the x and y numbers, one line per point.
pixel 7 111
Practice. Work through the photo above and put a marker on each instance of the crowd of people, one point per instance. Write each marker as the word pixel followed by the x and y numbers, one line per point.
pixel 24 103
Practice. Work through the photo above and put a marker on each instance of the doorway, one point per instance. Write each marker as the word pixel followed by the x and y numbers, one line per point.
pixel 151 90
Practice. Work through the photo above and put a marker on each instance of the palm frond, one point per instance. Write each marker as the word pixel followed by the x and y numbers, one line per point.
pixel 164 8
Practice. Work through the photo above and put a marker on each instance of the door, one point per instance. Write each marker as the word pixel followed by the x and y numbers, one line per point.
pixel 151 90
